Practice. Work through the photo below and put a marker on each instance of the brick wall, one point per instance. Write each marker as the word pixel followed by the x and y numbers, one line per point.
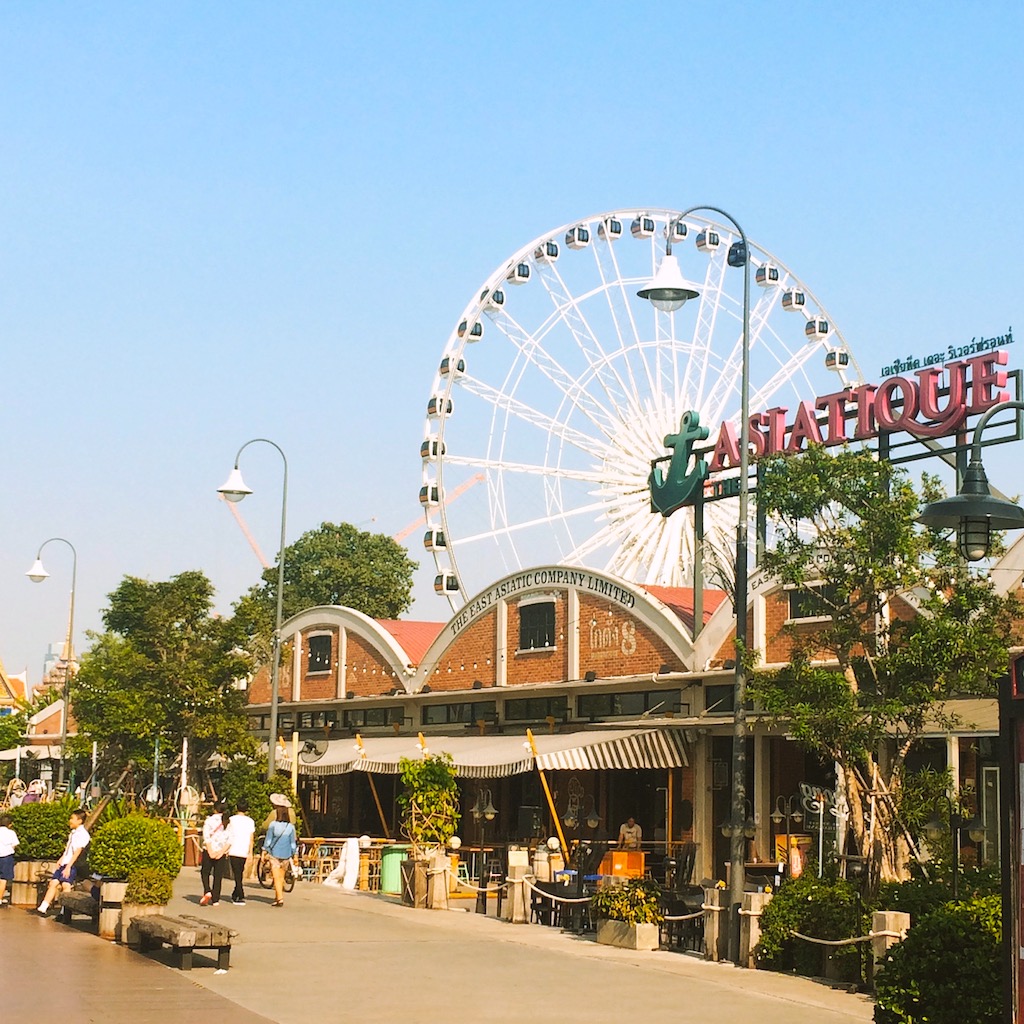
pixel 614 643
pixel 470 657
pixel 320 685
pixel 367 674
pixel 545 665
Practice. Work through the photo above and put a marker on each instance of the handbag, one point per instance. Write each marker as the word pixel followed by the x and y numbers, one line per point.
pixel 219 843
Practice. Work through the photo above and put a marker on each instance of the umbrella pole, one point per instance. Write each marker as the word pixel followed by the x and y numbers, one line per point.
pixel 551 802
pixel 380 810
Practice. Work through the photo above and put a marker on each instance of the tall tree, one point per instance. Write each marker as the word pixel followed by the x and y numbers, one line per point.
pixel 906 627
pixel 335 564
pixel 164 667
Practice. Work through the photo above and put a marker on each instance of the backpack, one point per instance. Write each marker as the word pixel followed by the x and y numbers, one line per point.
pixel 219 843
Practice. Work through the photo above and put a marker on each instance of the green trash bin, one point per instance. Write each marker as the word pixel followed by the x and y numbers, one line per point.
pixel 391 868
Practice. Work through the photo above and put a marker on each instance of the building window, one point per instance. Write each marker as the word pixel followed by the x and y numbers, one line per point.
pixel 536 709
pixel 319 653
pixel 536 625
pixel 811 602
pixel 370 717
pixel 631 704
pixel 467 713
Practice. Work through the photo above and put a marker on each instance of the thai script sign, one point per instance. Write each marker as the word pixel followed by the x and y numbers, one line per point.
pixel 976 346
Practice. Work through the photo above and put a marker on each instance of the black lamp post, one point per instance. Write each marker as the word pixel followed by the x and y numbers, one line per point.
pixel 483 811
pixel 935 827
pixel 787 808
pixel 668 291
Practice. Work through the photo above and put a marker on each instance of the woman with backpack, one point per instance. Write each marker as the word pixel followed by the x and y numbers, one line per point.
pixel 280 844
pixel 216 843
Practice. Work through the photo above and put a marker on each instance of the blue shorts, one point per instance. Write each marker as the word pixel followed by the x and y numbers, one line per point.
pixel 65 875
pixel 7 868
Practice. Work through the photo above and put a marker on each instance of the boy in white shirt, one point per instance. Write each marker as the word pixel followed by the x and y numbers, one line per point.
pixel 8 841
pixel 64 877
pixel 242 829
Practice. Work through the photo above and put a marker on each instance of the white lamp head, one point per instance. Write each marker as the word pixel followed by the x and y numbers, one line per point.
pixel 37 573
pixel 455 842
pixel 668 289
pixel 553 843
pixel 234 488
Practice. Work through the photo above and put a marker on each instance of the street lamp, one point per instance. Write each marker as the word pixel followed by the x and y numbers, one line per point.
pixel 668 291
pixel 234 489
pixel 935 828
pixel 37 574
pixel 483 811
pixel 787 808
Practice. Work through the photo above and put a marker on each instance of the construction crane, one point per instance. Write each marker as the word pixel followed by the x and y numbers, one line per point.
pixel 243 526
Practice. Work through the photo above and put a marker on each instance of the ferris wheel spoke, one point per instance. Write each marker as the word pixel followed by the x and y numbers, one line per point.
pixel 695 384
pixel 527 414
pixel 530 469
pixel 530 348
pixel 509 529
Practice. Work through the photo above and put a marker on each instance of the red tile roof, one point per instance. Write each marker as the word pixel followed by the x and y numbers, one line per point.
pixel 414 637
pixel 680 600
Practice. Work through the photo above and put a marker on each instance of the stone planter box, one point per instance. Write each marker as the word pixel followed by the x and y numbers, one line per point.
pixel 628 936
pixel 414 883
pixel 129 913
pixel 111 900
pixel 30 878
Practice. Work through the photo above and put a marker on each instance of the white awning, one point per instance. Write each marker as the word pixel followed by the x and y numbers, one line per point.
pixel 496 756
pixel 34 751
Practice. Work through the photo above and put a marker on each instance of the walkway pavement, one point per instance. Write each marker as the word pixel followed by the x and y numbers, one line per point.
pixel 329 955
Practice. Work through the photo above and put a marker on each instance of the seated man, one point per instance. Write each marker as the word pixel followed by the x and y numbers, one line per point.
pixel 630 835
pixel 64 877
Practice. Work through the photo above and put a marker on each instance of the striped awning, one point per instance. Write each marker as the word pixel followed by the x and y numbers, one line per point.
pixel 498 756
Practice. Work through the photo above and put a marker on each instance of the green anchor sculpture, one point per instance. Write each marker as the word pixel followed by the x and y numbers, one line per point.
pixel 671 491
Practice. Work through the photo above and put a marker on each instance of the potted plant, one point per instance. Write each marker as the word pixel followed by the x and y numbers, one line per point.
pixel 42 830
pixel 147 892
pixel 122 846
pixel 430 815
pixel 629 915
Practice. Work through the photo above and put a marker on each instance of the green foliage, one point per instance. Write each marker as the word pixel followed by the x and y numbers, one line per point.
pixel 822 908
pixel 846 520
pixel 947 969
pixel 335 564
pixel 124 845
pixel 12 728
pixel 920 896
pixel 149 887
pixel 246 779
pixel 429 800
pixel 42 829
pixel 636 902
pixel 165 667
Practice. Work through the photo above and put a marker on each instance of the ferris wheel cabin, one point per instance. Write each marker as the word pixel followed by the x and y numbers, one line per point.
pixel 578 237
pixel 610 229
pixel 519 274
pixel 430 495
pixel 642 226
pixel 437 406
pixel 708 240
pixel 431 448
pixel 546 253
pixel 476 332
pixel 794 301
pixel 433 539
pixel 816 328
pixel 445 583
pixel 766 275
pixel 493 300
pixel 677 233
pixel 836 359
pixel 455 367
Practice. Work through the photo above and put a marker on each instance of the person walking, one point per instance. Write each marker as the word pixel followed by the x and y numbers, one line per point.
pixel 242 829
pixel 214 863
pixel 8 841
pixel 280 844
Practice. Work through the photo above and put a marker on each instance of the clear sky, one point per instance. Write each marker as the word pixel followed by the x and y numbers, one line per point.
pixel 223 221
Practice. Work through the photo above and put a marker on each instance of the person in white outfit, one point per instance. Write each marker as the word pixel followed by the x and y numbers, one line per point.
pixel 242 829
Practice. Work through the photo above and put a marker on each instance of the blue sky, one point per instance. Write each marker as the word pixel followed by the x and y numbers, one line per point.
pixel 260 219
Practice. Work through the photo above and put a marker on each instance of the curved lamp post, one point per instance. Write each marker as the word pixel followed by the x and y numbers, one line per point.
pixel 668 291
pixel 936 827
pixel 37 574
pixel 234 489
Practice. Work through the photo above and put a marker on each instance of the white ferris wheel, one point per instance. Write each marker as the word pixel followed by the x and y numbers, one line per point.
pixel 558 385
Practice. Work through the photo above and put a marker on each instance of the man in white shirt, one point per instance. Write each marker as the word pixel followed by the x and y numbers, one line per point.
pixel 8 841
pixel 64 877
pixel 242 829
pixel 630 835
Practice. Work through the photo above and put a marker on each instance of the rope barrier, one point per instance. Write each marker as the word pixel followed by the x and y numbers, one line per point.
pixel 684 917
pixel 552 896
pixel 466 885
pixel 717 910
pixel 846 942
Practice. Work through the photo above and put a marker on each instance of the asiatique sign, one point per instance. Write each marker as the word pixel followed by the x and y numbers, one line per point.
pixel 933 401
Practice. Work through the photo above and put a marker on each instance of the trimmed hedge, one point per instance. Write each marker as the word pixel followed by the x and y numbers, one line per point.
pixel 42 829
pixel 127 844
pixel 149 887
pixel 947 969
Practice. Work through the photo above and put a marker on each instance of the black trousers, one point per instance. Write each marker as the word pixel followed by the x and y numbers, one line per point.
pixel 238 869
pixel 212 873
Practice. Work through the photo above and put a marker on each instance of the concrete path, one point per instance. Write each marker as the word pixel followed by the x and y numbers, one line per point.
pixel 329 955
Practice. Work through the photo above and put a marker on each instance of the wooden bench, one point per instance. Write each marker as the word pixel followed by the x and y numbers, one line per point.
pixel 184 934
pixel 81 903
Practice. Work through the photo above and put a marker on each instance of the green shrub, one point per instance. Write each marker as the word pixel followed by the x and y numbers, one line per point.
pixel 42 829
pixel 920 897
pixel 947 969
pixel 823 908
pixel 126 844
pixel 636 902
pixel 429 800
pixel 149 887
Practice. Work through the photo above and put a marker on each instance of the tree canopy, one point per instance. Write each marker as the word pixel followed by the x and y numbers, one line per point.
pixel 164 667
pixel 335 564
pixel 905 626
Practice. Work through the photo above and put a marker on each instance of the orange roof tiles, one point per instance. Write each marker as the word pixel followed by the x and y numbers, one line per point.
pixel 414 637
pixel 680 600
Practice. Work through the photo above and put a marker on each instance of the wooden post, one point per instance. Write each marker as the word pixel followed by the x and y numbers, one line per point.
pixel 750 925
pixel 714 934
pixel 888 928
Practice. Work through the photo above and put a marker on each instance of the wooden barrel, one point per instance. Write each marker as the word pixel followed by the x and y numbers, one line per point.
pixel 111 899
